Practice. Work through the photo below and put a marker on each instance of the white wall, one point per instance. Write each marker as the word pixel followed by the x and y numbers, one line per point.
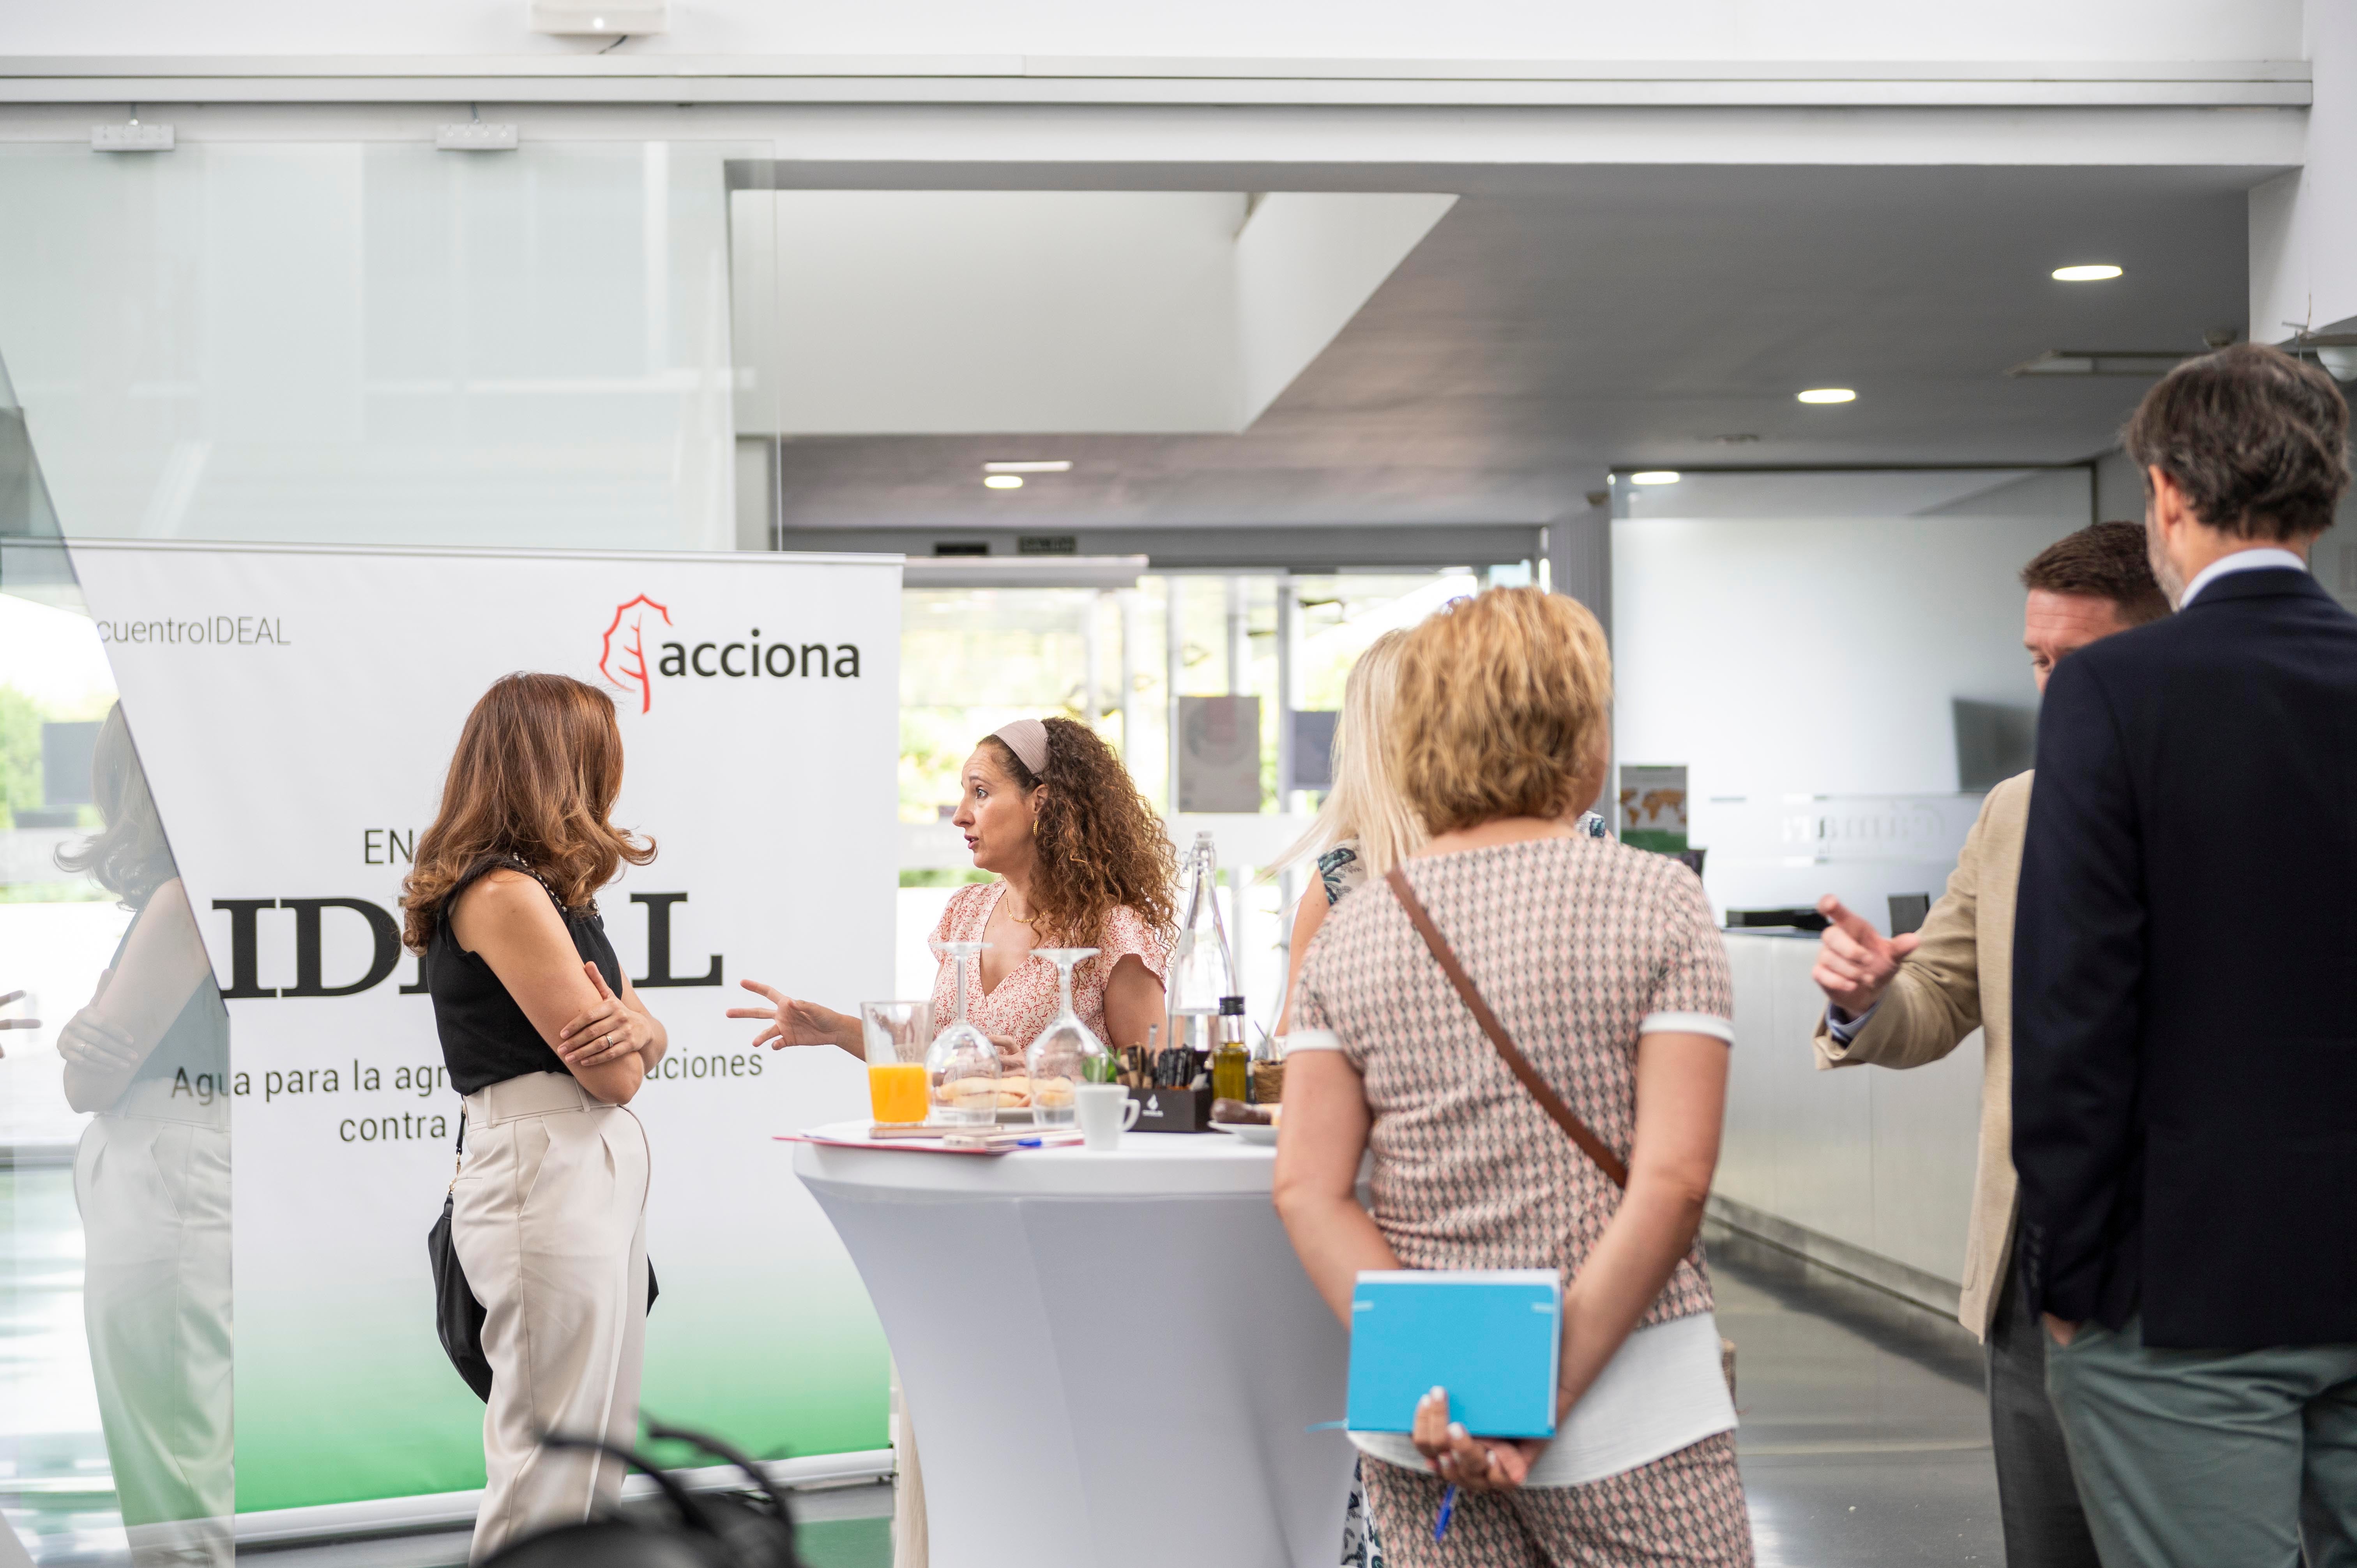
pixel 925 312
pixel 1802 666
pixel 355 342
pixel 1306 263
pixel 2174 30
pixel 2304 223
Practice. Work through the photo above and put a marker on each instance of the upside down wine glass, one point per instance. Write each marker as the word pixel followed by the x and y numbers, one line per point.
pixel 963 1063
pixel 1065 1053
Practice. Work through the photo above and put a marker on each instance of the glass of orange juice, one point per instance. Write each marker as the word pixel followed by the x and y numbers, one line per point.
pixel 897 1034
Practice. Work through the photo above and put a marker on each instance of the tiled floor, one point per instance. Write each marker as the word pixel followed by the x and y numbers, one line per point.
pixel 1865 1437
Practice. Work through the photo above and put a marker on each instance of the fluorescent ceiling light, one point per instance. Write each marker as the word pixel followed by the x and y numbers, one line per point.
pixel 1057 466
pixel 2094 273
pixel 1829 394
pixel 1655 476
pixel 1003 482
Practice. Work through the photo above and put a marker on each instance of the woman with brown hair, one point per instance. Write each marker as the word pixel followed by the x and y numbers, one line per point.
pixel 149 1056
pixel 548 1043
pixel 1606 971
pixel 1082 862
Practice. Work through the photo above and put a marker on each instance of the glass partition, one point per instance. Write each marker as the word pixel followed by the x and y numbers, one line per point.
pixel 114 1137
pixel 570 345
pixel 376 343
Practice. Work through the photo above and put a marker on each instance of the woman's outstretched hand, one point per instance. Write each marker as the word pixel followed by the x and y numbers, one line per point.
pixel 795 1022
pixel 1470 1463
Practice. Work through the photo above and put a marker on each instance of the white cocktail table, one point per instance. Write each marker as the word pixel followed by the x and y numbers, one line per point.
pixel 1108 1358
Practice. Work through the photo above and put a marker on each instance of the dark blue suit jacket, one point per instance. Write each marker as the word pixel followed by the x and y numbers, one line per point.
pixel 2185 976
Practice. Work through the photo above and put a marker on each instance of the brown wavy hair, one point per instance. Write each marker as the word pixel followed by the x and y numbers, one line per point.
pixel 128 856
pixel 534 777
pixel 1100 844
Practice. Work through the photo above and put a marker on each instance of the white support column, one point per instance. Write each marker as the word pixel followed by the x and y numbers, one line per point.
pixel 1239 638
pixel 1130 633
pixel 1288 665
pixel 1579 565
pixel 1174 649
pixel 1579 555
pixel 1092 660
pixel 1288 797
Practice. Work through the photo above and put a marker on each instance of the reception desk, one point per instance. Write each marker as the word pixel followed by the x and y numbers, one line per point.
pixel 1107 1357
pixel 1867 1169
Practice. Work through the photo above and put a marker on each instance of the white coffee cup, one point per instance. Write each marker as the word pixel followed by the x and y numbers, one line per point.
pixel 1098 1108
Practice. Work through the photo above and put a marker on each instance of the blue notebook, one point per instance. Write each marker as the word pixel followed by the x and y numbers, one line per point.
pixel 1492 1337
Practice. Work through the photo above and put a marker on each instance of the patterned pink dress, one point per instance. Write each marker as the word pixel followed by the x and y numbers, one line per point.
pixel 1579 945
pixel 1026 999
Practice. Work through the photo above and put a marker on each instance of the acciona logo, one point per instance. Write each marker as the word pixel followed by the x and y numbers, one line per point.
pixel 638 627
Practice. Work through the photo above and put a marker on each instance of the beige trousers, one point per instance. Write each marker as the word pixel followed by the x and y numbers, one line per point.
pixel 911 1546
pixel 549 1220
pixel 151 1179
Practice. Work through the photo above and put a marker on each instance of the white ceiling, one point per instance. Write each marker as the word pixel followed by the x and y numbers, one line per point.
pixel 903 312
pixel 1556 323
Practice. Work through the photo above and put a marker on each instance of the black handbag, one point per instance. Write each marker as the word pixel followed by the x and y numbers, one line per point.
pixel 741 1527
pixel 457 1315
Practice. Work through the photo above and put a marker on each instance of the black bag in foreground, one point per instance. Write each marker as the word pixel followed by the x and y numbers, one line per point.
pixel 751 1528
pixel 457 1315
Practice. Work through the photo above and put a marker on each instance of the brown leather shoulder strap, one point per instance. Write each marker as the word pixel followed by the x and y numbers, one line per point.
pixel 1541 1090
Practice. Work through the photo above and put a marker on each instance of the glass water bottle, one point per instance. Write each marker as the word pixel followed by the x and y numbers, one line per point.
pixel 1202 966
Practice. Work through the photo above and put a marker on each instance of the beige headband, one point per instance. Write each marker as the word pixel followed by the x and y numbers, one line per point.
pixel 1028 739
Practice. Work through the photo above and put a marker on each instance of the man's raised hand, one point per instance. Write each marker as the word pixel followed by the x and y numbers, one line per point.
pixel 1854 961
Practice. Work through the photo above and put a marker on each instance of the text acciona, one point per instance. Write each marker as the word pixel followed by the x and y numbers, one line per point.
pixel 755 658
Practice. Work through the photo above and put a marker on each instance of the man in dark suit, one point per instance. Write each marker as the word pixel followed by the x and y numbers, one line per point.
pixel 2185 1003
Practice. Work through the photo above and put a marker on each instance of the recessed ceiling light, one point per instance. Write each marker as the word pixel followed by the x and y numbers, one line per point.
pixel 1655 476
pixel 2097 272
pixel 1829 394
pixel 1003 482
pixel 1057 466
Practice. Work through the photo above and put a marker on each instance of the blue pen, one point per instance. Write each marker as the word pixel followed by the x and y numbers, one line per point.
pixel 1447 1507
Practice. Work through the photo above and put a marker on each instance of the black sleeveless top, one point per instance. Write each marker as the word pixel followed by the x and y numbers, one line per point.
pixel 486 1039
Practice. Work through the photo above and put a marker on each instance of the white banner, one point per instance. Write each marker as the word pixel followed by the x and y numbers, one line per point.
pixel 296 709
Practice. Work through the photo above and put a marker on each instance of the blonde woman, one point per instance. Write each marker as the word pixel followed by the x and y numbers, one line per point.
pixel 1606 968
pixel 1364 827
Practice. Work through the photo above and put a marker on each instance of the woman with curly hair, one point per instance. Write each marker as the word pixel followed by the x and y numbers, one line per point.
pixel 1082 862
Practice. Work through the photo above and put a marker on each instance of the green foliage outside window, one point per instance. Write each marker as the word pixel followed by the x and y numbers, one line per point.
pixel 20 752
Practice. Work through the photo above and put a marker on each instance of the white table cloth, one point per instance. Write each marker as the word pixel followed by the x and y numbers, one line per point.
pixel 1109 1359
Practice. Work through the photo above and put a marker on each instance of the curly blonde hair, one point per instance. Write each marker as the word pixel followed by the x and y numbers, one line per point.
pixel 1504 710
pixel 1100 844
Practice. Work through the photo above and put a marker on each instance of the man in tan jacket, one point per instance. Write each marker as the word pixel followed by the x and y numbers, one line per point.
pixel 1902 1002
